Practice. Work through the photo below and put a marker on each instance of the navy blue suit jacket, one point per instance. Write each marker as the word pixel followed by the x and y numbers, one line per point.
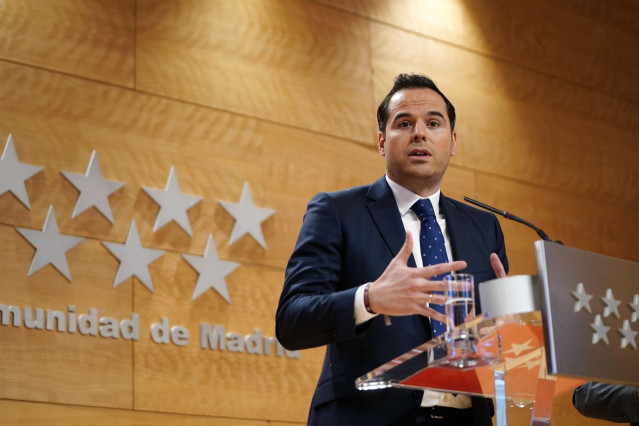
pixel 348 238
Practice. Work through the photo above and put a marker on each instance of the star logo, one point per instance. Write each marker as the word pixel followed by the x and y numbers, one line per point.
pixel 628 335
pixel 13 173
pixel 611 303
pixel 601 331
pixel 248 217
pixel 94 190
pixel 635 307
pixel 583 299
pixel 212 271
pixel 517 349
pixel 173 204
pixel 134 259
pixel 535 362
pixel 51 246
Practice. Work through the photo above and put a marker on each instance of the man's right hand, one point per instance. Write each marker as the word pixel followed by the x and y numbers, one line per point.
pixel 403 290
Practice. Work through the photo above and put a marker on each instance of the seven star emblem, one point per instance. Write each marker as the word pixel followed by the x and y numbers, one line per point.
pixel 51 246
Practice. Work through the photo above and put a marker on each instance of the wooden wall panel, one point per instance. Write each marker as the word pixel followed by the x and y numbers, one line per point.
pixel 217 382
pixel 36 414
pixel 577 221
pixel 584 42
pixel 63 367
pixel 280 94
pixel 92 39
pixel 287 61
pixel 535 130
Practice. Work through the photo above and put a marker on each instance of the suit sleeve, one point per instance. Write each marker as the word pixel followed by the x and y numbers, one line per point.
pixel 604 401
pixel 314 309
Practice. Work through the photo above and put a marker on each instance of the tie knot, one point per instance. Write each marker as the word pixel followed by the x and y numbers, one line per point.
pixel 423 208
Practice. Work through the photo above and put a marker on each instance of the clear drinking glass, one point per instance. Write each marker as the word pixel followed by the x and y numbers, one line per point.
pixel 460 307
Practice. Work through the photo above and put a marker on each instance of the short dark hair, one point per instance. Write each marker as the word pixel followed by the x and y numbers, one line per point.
pixel 412 81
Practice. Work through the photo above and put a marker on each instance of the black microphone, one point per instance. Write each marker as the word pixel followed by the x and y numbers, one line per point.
pixel 507 215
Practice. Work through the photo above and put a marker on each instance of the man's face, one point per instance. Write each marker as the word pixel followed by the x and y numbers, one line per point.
pixel 418 142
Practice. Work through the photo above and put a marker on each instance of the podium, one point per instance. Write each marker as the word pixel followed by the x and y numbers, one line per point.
pixel 538 336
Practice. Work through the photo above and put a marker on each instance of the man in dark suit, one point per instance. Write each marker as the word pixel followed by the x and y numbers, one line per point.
pixel 355 263
pixel 614 403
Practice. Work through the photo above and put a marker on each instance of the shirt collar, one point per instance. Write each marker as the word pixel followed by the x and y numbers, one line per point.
pixel 406 198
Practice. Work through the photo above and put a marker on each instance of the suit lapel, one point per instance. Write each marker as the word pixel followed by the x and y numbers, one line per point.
pixel 383 208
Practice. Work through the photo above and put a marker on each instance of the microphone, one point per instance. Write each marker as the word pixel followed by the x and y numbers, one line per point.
pixel 507 215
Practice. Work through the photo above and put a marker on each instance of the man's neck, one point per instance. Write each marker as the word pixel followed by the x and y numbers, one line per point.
pixel 422 188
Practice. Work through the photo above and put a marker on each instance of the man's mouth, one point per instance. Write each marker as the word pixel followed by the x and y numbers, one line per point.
pixel 419 152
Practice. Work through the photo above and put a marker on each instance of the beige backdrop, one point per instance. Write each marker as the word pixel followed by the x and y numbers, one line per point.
pixel 280 94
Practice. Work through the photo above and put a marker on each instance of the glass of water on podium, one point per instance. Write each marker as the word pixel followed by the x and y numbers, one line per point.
pixel 459 290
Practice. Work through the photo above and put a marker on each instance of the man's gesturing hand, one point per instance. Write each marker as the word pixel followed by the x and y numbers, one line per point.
pixel 402 290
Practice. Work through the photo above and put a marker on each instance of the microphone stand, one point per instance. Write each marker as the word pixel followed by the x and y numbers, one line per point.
pixel 507 215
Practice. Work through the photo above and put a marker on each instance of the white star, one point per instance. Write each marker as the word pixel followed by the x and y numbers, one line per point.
pixel 134 259
pixel 94 190
pixel 248 217
pixel 611 304
pixel 519 348
pixel 51 246
pixel 533 363
pixel 635 307
pixel 13 173
pixel 628 335
pixel 601 331
pixel 173 204
pixel 212 271
pixel 583 299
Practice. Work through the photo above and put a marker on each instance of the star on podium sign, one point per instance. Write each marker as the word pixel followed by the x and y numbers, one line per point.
pixel 248 217
pixel 13 173
pixel 212 271
pixel 173 204
pixel 600 331
pixel 51 246
pixel 134 259
pixel 94 189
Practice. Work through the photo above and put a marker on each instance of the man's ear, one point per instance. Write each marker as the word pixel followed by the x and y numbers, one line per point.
pixel 380 143
pixel 453 144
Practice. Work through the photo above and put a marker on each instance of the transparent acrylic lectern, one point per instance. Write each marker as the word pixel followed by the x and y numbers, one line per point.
pixel 538 336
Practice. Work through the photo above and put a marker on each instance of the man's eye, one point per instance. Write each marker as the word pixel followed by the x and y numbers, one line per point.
pixel 433 123
pixel 404 124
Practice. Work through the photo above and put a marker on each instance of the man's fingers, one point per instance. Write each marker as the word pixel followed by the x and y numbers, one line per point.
pixel 441 268
pixel 438 316
pixel 497 266
pixel 406 250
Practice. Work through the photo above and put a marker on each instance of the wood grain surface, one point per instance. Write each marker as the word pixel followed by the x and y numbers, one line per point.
pixel 582 42
pixel 92 39
pixel 280 94
pixel 287 61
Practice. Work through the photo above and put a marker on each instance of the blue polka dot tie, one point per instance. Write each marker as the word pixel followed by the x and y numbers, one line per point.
pixel 433 248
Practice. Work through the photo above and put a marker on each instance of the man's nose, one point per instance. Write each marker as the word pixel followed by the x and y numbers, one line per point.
pixel 419 131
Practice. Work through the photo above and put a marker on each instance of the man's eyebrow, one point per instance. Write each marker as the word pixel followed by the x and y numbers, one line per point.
pixel 407 114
